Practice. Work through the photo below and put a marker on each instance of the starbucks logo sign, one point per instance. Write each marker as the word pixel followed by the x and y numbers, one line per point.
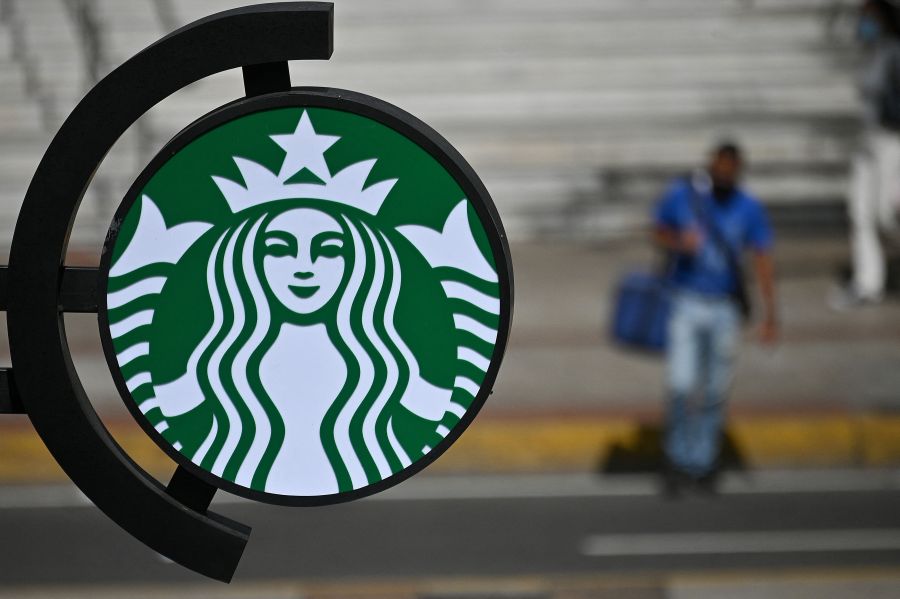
pixel 306 296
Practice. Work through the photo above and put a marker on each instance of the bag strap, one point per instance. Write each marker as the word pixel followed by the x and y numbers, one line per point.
pixel 889 103
pixel 718 238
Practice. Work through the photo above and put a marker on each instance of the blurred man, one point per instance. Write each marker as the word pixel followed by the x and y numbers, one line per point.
pixel 706 222
pixel 875 180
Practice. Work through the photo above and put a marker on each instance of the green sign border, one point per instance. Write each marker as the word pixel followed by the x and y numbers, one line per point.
pixel 406 125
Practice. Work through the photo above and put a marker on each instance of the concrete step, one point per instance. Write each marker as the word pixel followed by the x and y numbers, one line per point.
pixel 539 97
pixel 515 110
pixel 371 33
pixel 128 27
pixel 507 74
pixel 20 118
pixel 437 9
pixel 568 38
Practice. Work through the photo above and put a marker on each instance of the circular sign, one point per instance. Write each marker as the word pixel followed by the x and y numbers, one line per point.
pixel 305 296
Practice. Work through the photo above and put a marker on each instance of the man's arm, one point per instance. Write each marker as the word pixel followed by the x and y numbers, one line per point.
pixel 672 232
pixel 764 268
pixel 672 240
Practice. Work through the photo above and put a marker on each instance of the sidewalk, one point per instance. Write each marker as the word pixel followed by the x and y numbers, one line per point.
pixel 560 356
pixel 567 400
pixel 560 359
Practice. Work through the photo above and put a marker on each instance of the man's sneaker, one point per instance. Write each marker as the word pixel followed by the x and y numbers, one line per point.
pixel 674 481
pixel 708 483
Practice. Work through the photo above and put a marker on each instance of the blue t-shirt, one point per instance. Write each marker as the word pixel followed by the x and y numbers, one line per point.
pixel 741 219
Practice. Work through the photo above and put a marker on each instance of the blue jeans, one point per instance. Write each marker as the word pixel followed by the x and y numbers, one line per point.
pixel 703 337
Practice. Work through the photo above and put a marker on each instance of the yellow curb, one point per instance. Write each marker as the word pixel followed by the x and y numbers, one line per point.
pixel 25 459
pixel 534 445
pixel 828 441
pixel 824 441
pixel 880 440
pixel 581 443
pixel 649 583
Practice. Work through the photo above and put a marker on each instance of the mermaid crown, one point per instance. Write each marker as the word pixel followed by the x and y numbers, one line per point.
pixel 304 149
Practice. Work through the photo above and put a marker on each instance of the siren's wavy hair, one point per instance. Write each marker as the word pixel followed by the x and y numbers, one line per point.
pixel 247 430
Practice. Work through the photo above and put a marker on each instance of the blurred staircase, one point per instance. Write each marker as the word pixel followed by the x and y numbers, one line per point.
pixel 573 112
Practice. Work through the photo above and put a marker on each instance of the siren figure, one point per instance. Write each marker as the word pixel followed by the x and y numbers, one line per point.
pixel 295 386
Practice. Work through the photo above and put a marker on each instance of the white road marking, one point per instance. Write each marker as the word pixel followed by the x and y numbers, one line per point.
pixel 756 541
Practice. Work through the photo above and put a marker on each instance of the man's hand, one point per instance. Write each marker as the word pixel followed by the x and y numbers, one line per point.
pixel 686 242
pixel 765 274
pixel 691 241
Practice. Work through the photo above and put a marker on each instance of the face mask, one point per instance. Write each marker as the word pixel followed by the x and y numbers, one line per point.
pixel 868 30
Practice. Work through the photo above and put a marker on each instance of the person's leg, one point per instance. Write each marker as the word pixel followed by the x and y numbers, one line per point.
pixel 721 348
pixel 868 257
pixel 682 365
pixel 697 421
pixel 887 166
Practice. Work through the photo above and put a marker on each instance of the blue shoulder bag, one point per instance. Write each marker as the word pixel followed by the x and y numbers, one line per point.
pixel 640 318
pixel 642 304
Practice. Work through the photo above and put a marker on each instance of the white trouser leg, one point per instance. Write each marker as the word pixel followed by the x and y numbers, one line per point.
pixel 868 256
pixel 886 147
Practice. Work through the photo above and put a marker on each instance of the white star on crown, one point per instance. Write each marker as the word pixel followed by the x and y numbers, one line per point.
pixel 304 149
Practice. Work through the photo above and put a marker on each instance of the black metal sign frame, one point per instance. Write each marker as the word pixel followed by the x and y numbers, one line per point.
pixel 260 39
pixel 36 289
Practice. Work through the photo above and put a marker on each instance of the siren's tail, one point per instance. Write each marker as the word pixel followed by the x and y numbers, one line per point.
pixel 130 308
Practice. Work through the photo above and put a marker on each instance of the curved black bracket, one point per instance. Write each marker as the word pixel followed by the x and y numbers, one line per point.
pixel 38 288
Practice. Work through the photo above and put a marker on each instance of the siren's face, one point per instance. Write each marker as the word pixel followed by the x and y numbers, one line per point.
pixel 304 259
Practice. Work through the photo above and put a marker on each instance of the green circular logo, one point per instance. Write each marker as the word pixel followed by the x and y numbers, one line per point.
pixel 301 300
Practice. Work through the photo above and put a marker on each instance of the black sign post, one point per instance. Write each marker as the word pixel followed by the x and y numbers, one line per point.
pixel 36 289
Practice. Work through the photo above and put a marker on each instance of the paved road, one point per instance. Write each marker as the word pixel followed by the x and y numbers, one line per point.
pixel 561 525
